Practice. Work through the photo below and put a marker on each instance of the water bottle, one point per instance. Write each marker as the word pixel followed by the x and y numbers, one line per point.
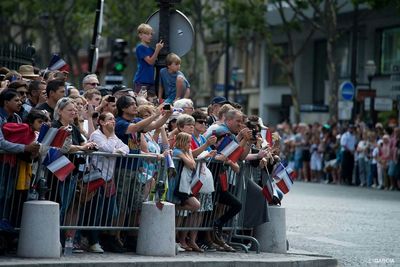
pixel 69 244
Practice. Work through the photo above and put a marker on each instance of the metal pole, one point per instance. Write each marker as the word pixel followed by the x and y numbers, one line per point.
pixel 354 44
pixel 227 41
pixel 96 36
pixel 163 34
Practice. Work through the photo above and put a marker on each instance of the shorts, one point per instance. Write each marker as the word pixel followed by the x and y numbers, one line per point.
pixel 392 168
pixel 149 87
pixel 298 161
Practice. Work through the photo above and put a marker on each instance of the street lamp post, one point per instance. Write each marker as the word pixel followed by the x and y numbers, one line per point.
pixel 370 71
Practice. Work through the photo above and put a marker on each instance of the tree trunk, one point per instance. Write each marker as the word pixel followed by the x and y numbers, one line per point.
pixel 293 89
pixel 331 32
pixel 333 81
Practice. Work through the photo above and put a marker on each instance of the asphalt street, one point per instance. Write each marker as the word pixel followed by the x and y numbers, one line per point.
pixel 357 226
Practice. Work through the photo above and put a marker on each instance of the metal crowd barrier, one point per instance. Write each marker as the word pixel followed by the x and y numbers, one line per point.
pixel 116 204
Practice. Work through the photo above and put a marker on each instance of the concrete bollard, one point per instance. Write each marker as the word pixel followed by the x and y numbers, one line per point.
pixel 272 235
pixel 157 230
pixel 39 236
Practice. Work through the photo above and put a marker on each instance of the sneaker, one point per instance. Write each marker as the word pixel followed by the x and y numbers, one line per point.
pixel 96 248
pixel 179 248
pixel 208 247
pixel 218 232
pixel 114 245
pixel 77 248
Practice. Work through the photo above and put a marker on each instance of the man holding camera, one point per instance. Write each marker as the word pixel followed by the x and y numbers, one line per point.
pixel 234 128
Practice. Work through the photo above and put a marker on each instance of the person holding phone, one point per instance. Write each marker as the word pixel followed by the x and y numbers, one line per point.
pixel 146 58
pixel 108 104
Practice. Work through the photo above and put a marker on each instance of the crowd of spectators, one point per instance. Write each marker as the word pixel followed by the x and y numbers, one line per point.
pixel 348 154
pixel 135 121
pixel 124 122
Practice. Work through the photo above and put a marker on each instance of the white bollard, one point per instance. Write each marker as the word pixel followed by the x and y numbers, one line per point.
pixel 39 236
pixel 272 234
pixel 157 230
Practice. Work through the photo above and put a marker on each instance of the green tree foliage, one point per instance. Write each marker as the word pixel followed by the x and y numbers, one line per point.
pixel 56 25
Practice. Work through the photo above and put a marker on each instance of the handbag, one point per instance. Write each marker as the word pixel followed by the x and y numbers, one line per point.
pixel 206 178
pixel 186 180
pixel 92 173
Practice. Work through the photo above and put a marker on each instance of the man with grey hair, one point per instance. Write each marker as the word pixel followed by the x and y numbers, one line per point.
pixel 90 81
pixel 232 127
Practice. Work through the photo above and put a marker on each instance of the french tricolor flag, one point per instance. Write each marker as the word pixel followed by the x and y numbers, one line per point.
pixel 269 191
pixel 57 63
pixel 58 164
pixel 284 183
pixel 230 149
pixel 52 136
pixel 280 167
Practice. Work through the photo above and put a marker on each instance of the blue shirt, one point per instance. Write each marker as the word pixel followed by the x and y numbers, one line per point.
pixel 132 140
pixel 220 131
pixel 176 152
pixel 168 83
pixel 145 71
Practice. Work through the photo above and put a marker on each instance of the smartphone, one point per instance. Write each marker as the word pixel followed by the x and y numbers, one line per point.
pixel 111 99
pixel 254 133
pixel 143 90
pixel 167 107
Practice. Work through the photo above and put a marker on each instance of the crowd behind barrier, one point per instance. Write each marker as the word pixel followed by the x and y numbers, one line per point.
pixel 227 166
pixel 115 204
pixel 348 154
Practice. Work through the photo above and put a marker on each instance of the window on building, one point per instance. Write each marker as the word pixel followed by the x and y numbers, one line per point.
pixel 343 65
pixel 276 73
pixel 320 72
pixel 390 50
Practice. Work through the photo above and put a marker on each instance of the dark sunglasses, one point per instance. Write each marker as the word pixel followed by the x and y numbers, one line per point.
pixel 94 84
pixel 22 92
pixel 202 121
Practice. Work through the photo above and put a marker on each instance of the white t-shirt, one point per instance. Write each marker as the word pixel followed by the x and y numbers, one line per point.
pixel 375 153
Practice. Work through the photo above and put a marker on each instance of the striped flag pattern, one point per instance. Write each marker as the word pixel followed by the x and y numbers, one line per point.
pixel 57 63
pixel 58 164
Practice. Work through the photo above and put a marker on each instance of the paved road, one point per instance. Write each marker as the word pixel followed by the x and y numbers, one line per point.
pixel 358 226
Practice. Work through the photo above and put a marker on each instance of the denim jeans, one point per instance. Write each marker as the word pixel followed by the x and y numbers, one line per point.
pixel 363 170
pixel 66 190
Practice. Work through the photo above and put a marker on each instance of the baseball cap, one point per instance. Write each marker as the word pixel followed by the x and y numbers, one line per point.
pixel 120 88
pixel 219 100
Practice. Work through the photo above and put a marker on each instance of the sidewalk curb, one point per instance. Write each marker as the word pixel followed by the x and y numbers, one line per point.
pixel 182 260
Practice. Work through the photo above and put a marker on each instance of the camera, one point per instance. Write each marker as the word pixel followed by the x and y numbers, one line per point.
pixel 94 148
pixel 254 133
pixel 167 107
pixel 253 127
